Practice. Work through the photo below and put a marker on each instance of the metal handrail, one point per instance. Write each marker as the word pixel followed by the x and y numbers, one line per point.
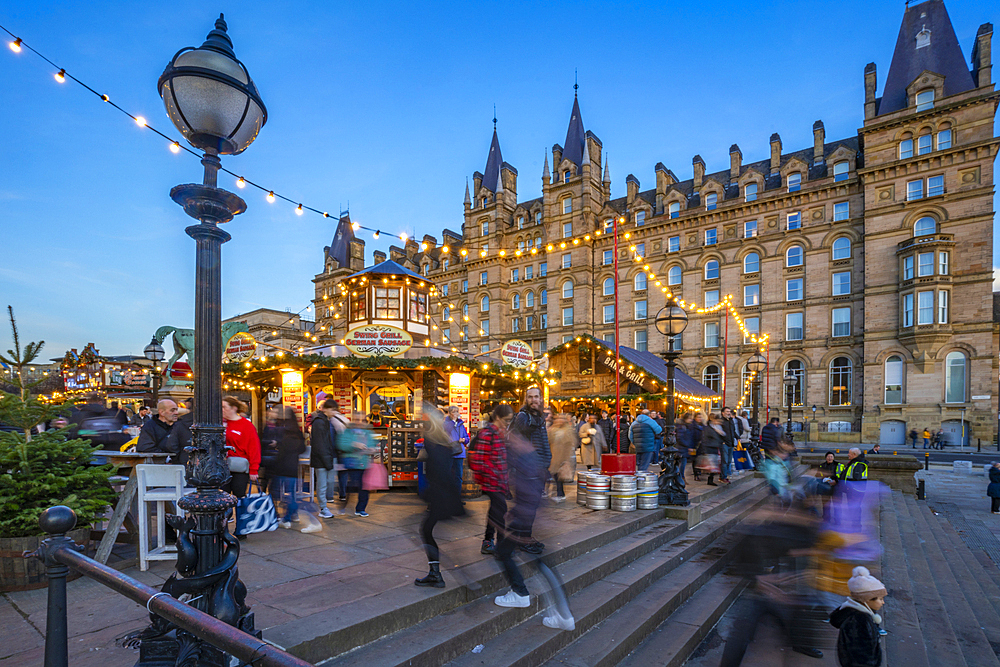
pixel 60 553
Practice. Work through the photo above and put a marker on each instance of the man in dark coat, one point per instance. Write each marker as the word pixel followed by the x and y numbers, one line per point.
pixel 607 427
pixel 529 425
pixel 731 429
pixel 770 436
pixel 163 433
pixel 323 455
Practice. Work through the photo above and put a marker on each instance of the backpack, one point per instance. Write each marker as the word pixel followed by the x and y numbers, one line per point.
pixel 474 443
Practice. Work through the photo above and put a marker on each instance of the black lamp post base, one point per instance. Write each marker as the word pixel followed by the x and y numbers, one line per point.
pixel 672 485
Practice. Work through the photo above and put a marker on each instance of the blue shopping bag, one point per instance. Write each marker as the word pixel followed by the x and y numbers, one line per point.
pixel 742 460
pixel 255 513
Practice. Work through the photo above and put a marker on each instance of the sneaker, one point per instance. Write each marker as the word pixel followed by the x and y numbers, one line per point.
pixel 559 499
pixel 488 548
pixel 296 519
pixel 285 524
pixel 533 548
pixel 512 599
pixel 325 514
pixel 555 620
pixel 342 499
pixel 361 514
pixel 312 528
pixel 341 511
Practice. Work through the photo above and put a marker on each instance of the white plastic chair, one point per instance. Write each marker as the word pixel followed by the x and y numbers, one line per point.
pixel 160 484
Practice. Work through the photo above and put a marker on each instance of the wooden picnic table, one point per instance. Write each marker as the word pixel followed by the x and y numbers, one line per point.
pixel 122 514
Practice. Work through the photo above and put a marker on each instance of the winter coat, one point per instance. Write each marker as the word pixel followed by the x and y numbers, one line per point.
pixel 444 493
pixel 488 460
pixel 858 641
pixel 731 429
pixel 643 434
pixel 456 429
pixel 242 436
pixel 531 427
pixel 590 452
pixel 993 490
pixel 285 462
pixel 157 436
pixel 324 452
pixel 353 447
pixel 606 427
pixel 563 463
pixel 711 441
pixel 770 436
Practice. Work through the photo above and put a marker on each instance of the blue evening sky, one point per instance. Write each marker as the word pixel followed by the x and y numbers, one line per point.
pixel 387 106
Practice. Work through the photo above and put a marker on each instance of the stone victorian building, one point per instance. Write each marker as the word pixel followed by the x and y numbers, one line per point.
pixel 867 259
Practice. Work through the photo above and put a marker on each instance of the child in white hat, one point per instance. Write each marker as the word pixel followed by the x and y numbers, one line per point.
pixel 858 621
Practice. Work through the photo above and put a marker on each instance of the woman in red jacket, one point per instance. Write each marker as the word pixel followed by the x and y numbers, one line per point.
pixel 242 437
pixel 488 460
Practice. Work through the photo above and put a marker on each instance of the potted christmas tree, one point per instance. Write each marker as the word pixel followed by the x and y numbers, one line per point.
pixel 39 469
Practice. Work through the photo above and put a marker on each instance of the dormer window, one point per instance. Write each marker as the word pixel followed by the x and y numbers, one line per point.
pixel 923 38
pixel 711 201
pixel 840 171
pixel 484 202
pixel 751 192
pixel 674 209
pixel 424 269
pixel 566 176
pixel 640 218
pixel 925 100
pixel 520 222
pixel 794 182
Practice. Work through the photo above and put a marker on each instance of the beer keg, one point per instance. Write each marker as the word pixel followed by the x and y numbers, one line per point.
pixel 598 492
pixel 623 493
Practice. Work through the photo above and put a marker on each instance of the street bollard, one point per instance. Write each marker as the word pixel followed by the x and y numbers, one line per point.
pixel 927 461
pixel 979 445
pixel 921 491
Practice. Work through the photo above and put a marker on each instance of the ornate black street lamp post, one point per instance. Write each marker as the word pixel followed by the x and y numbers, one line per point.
pixel 756 365
pixel 790 381
pixel 154 352
pixel 213 102
pixel 671 322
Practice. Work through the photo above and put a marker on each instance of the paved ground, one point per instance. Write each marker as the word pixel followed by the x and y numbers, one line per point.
pixel 289 574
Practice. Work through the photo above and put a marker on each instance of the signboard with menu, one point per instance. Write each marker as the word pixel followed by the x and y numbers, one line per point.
pixel 459 393
pixel 291 393
pixel 517 353
pixel 374 340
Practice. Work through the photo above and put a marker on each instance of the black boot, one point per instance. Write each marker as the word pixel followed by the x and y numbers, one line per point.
pixel 433 577
pixel 711 481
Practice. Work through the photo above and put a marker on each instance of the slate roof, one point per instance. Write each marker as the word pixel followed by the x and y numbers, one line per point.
pixel 493 163
pixel 575 136
pixel 388 267
pixel 943 56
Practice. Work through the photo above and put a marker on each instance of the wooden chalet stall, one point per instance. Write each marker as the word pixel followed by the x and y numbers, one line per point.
pixel 586 367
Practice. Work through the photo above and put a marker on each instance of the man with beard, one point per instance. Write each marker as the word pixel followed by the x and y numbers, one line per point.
pixel 529 425
pixel 163 433
pixel 731 434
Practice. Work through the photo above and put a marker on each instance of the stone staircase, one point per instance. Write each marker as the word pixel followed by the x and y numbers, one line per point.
pixel 944 604
pixel 622 584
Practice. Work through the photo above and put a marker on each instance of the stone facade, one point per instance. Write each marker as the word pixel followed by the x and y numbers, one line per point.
pixel 824 248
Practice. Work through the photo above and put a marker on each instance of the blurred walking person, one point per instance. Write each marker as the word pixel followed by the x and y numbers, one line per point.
pixel 529 425
pixel 488 462
pixel 354 449
pixel 712 438
pixel 592 442
pixel 323 455
pixel 455 427
pixel 563 464
pixel 283 467
pixel 443 493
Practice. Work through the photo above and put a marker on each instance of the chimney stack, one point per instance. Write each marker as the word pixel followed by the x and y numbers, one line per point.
pixel 981 58
pixel 735 162
pixel 378 256
pixel 632 186
pixel 699 171
pixel 819 138
pixel 775 153
pixel 870 86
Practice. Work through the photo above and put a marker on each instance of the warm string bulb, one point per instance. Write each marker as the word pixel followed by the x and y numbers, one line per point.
pixel 175 147
pixel 241 182
pixel 61 76
pixel 140 121
pixel 15 46
pixel 298 210
pixel 270 197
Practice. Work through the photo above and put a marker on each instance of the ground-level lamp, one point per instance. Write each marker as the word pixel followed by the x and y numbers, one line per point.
pixel 757 365
pixel 671 322
pixel 154 352
pixel 790 381
pixel 211 99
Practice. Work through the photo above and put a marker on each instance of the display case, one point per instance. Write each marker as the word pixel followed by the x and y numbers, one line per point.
pixel 402 452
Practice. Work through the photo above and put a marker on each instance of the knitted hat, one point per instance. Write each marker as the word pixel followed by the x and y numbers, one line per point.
pixel 864 586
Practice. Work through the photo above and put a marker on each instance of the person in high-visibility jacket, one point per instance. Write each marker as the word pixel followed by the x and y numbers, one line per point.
pixel 831 468
pixel 857 467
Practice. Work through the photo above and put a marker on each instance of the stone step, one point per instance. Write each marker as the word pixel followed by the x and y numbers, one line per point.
pixel 936 631
pixel 975 630
pixel 906 646
pixel 647 554
pixel 674 640
pixel 978 572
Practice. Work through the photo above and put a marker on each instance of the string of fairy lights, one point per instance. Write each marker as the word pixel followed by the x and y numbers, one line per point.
pixel 530 246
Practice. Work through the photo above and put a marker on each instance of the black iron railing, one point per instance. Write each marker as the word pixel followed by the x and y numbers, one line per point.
pixel 60 553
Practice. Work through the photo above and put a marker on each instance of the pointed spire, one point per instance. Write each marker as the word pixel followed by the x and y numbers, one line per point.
pixel 468 200
pixel 491 175
pixel 586 152
pixel 607 171
pixel 575 136
pixel 545 169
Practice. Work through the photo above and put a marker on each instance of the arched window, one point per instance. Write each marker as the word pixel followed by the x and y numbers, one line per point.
pixel 841 373
pixel 609 286
pixel 674 209
pixel 751 191
pixel 842 248
pixel 925 143
pixel 711 270
pixel 894 380
pixel 751 396
pixel 674 274
pixel 711 200
pixel 925 226
pixel 794 182
pixel 840 170
pixel 529 300
pixel 465 310
pixel 751 263
pixel 515 301
pixel 795 367
pixel 639 284
pixel 567 289
pixel 793 256
pixel 954 377
pixel 484 305
pixel 906 146
pixel 712 378
pixel 543 297
pixel 520 245
pixel 445 314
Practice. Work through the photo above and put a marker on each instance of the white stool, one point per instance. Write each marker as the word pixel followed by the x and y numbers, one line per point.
pixel 158 484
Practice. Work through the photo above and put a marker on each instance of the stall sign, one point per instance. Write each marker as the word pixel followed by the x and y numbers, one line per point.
pixel 458 394
pixel 382 379
pixel 394 391
pixel 241 347
pixel 517 353
pixel 631 375
pixel 135 378
pixel 374 340
pixel 291 393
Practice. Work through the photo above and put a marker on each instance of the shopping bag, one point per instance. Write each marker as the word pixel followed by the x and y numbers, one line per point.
pixel 255 513
pixel 742 460
pixel 375 478
pixel 709 462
